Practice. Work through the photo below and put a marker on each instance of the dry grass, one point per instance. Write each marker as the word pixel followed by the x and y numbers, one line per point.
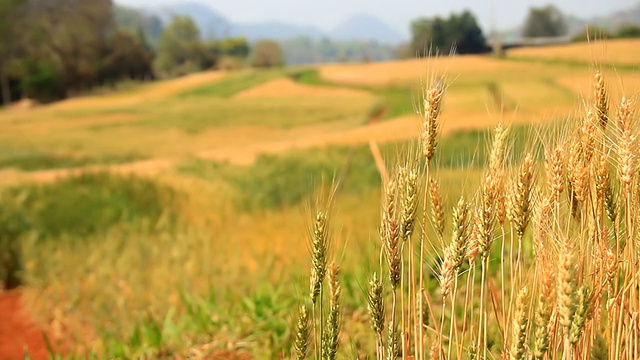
pixel 409 71
pixel 239 249
pixel 617 52
pixel 277 115
pixel 141 94
pixel 580 261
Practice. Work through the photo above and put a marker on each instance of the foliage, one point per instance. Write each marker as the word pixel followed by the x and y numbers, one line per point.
pixel 628 31
pixel 41 80
pixel 127 58
pixel 459 34
pixel 267 54
pixel 232 84
pixel 68 47
pixel 591 33
pixel 279 181
pixel 180 50
pixel 76 52
pixel 31 160
pixel 88 203
pixel 305 50
pixel 13 223
pixel 135 21
pixel 77 207
pixel 597 33
pixel 237 47
pixel 12 17
pixel 546 21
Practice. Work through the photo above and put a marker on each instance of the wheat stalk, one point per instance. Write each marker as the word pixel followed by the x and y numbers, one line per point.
pixel 520 322
pixel 303 332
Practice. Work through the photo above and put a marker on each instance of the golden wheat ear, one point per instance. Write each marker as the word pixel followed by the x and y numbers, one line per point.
pixel 520 322
pixel 601 99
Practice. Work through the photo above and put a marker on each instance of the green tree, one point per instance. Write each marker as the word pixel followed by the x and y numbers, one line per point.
pixel 180 49
pixel 127 57
pixel 465 34
pixel 72 35
pixel 236 47
pixel 11 15
pixel 459 33
pixel 135 21
pixel 628 31
pixel 546 21
pixel 266 54
pixel 591 33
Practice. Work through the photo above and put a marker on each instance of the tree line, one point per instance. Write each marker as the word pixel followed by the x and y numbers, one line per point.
pixel 52 49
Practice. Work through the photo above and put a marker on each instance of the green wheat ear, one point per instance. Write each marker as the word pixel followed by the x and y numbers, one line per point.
pixel 303 333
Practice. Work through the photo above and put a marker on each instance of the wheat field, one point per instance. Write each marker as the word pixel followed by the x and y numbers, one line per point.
pixel 183 219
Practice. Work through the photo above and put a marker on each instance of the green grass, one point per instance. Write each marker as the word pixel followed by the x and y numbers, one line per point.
pixel 196 115
pixel 232 84
pixel 279 181
pixel 100 111
pixel 30 160
pixel 89 204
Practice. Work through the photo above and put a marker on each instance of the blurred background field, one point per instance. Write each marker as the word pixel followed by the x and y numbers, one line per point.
pixel 171 218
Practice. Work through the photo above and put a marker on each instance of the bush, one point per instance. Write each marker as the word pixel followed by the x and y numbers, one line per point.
pixel 628 31
pixel 86 204
pixel 591 33
pixel 13 223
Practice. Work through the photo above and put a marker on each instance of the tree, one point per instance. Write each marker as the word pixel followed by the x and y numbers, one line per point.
pixel 10 13
pixel 266 54
pixel 72 35
pixel 591 33
pixel 466 35
pixel 180 49
pixel 127 57
pixel 459 33
pixel 547 21
pixel 50 49
pixel 628 31
pixel 135 20
pixel 236 47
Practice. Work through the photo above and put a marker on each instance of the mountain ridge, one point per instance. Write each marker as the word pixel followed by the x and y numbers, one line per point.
pixel 213 23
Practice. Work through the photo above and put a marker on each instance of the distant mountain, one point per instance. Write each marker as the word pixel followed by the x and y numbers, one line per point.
pixel 366 28
pixel 210 22
pixel 213 24
pixel 618 19
pixel 275 30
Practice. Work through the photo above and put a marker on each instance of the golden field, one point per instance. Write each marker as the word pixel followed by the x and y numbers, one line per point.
pixel 203 246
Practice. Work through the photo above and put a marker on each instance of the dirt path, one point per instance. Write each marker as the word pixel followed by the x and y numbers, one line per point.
pixel 17 333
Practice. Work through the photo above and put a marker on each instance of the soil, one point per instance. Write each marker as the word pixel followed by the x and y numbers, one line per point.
pixel 18 334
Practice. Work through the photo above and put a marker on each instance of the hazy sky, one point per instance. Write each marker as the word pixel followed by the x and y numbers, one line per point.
pixel 501 14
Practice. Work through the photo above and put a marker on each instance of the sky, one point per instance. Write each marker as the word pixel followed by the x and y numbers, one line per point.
pixel 326 14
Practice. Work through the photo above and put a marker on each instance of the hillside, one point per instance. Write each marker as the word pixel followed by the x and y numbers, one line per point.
pixel 175 219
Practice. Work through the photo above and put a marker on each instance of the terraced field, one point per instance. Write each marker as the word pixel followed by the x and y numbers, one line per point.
pixel 166 219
